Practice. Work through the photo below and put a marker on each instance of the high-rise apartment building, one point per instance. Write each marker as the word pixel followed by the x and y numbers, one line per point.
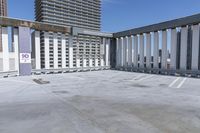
pixel 3 12
pixel 77 13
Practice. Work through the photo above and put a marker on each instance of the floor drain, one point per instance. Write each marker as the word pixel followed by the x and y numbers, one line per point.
pixel 40 81
pixel 60 92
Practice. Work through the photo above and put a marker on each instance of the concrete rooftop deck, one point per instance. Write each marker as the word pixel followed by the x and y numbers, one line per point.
pixel 100 102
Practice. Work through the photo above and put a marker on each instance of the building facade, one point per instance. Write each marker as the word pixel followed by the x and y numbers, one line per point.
pixel 77 13
pixel 3 12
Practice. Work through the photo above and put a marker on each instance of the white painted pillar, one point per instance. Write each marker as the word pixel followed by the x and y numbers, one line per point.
pixel 84 62
pixel 122 51
pixel 6 66
pixel 90 62
pixel 135 51
pixel 84 55
pixel 96 61
pixel 148 50
pixel 195 47
pixel 102 58
pixel 125 51
pixel 141 51
pixel 78 65
pixel 156 50
pixel 173 49
pixel 117 52
pixel 63 50
pixel 130 51
pixel 46 45
pixel 164 49
pixel 91 57
pixel 55 50
pixel 183 53
pixel 108 52
pixel 37 50
pixel 16 48
pixel 71 53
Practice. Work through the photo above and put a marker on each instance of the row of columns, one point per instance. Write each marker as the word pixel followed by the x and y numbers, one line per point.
pixel 104 61
pixel 131 49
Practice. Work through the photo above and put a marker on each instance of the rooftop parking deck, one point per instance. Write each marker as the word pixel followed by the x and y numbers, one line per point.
pixel 100 102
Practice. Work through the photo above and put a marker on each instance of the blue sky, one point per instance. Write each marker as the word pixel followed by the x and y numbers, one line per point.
pixel 119 15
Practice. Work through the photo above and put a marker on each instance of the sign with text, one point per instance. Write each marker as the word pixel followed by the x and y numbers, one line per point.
pixel 25 58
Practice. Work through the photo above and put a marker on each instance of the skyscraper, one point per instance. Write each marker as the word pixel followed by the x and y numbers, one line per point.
pixel 3 12
pixel 78 13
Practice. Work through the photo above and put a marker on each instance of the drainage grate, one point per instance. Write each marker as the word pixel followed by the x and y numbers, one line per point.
pixel 60 92
pixel 41 81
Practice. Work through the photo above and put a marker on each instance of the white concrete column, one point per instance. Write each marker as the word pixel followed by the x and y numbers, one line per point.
pixel 55 50
pixel 84 55
pixel 90 57
pixel 71 53
pixel 195 47
pixel 108 52
pixel 6 66
pixel 122 52
pixel 173 49
pixel 148 50
pixel 117 52
pixel 16 47
pixel 90 62
pixel 156 50
pixel 63 51
pixel 46 45
pixel 37 50
pixel 78 65
pixel 183 53
pixel 84 62
pixel 164 49
pixel 125 51
pixel 130 51
pixel 141 51
pixel 96 62
pixel 135 60
pixel 102 58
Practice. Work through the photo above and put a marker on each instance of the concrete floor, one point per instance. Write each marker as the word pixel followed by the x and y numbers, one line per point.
pixel 100 102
